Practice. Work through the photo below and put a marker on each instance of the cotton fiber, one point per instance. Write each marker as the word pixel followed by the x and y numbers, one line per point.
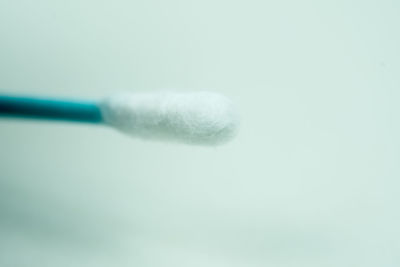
pixel 196 118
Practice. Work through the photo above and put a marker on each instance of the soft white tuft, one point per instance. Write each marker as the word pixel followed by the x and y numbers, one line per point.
pixel 196 117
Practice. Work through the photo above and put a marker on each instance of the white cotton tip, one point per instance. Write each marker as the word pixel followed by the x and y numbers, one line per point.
pixel 196 118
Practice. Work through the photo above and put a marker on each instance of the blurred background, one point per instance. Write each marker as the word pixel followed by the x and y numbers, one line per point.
pixel 312 179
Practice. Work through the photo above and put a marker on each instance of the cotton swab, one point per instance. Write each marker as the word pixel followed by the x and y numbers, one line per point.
pixel 197 118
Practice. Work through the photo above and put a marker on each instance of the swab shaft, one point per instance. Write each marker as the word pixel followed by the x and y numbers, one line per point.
pixel 51 109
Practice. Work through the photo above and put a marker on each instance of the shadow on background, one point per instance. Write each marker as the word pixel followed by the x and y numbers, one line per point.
pixel 44 220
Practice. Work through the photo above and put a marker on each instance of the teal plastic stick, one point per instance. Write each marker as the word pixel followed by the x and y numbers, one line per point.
pixel 51 109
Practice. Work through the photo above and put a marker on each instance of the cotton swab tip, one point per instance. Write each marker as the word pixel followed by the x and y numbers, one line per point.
pixel 196 118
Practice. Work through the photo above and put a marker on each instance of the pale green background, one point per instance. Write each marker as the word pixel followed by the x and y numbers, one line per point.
pixel 311 180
